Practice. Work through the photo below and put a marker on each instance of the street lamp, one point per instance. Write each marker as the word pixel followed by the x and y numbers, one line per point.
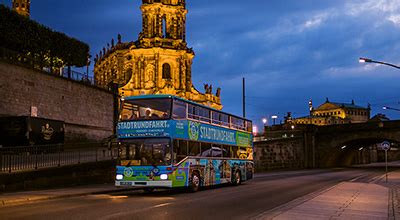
pixel 367 60
pixel 274 117
pixel 390 108
pixel 264 120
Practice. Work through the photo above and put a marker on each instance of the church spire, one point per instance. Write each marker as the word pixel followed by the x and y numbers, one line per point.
pixel 22 7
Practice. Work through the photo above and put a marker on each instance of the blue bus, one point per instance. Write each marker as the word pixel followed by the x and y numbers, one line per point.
pixel 171 142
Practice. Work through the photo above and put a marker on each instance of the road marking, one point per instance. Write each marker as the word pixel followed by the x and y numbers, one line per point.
pixel 161 205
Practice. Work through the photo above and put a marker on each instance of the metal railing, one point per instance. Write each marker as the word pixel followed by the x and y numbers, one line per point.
pixel 39 64
pixel 77 76
pixel 13 159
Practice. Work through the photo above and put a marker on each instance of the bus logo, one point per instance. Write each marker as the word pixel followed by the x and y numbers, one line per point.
pixel 194 129
pixel 128 172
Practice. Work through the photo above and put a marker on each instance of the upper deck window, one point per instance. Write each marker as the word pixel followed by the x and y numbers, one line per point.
pixel 238 123
pixel 146 109
pixel 199 113
pixel 220 118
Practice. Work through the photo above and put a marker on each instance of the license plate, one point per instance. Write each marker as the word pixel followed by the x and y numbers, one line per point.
pixel 126 183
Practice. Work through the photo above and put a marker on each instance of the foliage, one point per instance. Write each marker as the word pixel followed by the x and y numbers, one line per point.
pixel 51 48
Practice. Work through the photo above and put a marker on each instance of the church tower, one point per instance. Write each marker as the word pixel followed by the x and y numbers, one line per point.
pixel 22 7
pixel 164 24
pixel 159 62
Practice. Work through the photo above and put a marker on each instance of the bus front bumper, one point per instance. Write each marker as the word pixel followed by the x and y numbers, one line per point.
pixel 161 184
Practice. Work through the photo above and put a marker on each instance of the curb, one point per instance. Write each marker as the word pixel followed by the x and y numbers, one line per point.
pixel 32 199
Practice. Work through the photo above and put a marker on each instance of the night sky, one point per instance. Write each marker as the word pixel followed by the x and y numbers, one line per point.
pixel 289 51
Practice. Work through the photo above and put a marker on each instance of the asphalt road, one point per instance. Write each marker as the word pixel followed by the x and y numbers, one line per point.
pixel 246 201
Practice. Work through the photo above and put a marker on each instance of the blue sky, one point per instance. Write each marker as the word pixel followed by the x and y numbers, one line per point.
pixel 289 51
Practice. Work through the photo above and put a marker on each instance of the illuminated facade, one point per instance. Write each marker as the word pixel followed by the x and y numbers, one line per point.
pixel 331 113
pixel 22 7
pixel 159 62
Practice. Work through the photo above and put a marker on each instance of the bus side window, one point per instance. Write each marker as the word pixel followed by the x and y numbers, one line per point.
pixel 224 119
pixel 216 118
pixel 235 152
pixel 249 126
pixel 183 146
pixel 249 151
pixel 205 150
pixel 226 151
pixel 180 150
pixel 192 112
pixel 204 114
pixel 194 148
pixel 216 151
pixel 243 153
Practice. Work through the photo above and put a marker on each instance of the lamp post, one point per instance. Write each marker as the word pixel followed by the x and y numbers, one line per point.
pixel 274 117
pixel 390 108
pixel 264 120
pixel 367 60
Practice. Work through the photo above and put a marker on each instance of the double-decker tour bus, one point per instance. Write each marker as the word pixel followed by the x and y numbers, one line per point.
pixel 172 142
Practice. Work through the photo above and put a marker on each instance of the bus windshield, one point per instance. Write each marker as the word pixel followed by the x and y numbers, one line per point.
pixel 149 152
pixel 146 109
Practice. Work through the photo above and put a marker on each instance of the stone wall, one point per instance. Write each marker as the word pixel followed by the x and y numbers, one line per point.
pixel 285 153
pixel 86 110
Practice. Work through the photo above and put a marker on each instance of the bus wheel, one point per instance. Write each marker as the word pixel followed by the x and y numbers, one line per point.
pixel 194 184
pixel 237 179
pixel 148 190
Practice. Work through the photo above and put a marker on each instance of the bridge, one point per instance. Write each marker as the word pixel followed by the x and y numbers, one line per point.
pixel 313 146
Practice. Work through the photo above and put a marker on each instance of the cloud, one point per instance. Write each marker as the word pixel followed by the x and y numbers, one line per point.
pixel 315 21
pixel 395 19
pixel 389 10
pixel 365 71
pixel 359 7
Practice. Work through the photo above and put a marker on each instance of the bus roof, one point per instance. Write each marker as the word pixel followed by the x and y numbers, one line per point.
pixel 176 97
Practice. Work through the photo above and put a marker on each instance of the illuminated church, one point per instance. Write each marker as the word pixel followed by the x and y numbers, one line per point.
pixel 159 62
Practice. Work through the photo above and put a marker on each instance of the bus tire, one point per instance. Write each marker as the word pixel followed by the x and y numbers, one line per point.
pixel 194 184
pixel 237 178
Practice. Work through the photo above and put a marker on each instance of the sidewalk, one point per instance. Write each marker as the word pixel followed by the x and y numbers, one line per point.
pixel 18 198
pixel 347 200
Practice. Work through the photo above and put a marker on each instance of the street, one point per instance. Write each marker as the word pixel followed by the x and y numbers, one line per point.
pixel 249 200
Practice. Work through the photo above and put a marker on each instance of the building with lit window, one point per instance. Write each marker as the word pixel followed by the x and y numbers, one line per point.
pixel 330 113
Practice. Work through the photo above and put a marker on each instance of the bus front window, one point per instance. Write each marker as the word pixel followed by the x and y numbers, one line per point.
pixel 146 109
pixel 150 152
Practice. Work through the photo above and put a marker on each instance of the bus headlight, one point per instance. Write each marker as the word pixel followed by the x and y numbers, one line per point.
pixel 119 176
pixel 164 176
